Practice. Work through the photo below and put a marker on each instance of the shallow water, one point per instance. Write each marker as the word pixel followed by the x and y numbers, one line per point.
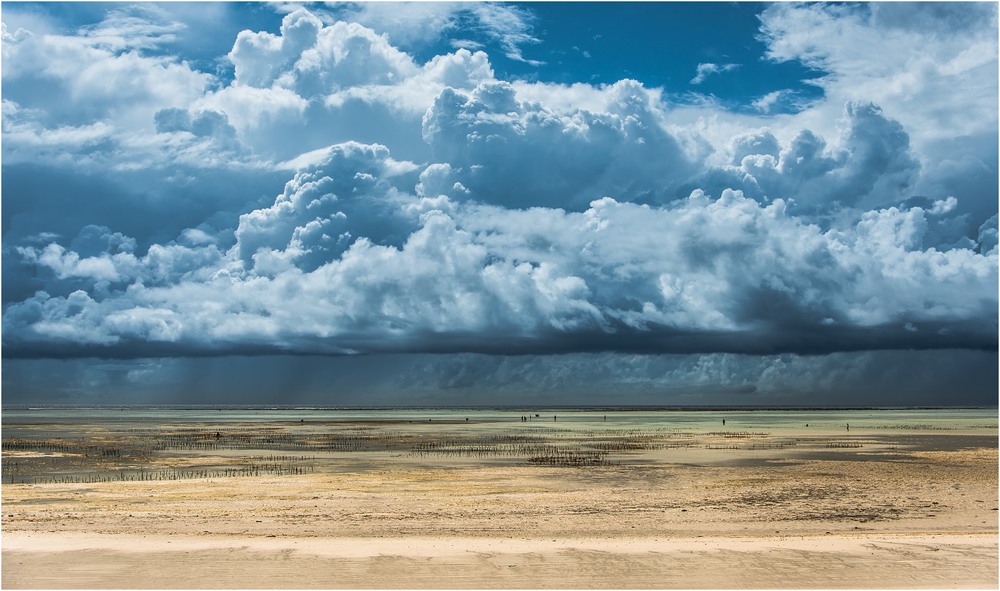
pixel 953 419
pixel 88 444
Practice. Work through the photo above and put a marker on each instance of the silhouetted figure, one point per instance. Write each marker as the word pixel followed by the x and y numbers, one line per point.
pixel 723 422
pixel 848 426
pixel 218 435
pixel 553 418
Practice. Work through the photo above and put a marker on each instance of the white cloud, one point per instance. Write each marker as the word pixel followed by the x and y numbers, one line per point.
pixel 937 78
pixel 407 24
pixel 312 59
pixel 75 81
pixel 88 101
pixel 466 44
pixel 766 103
pixel 509 25
pixel 315 84
pixel 412 96
pixel 435 208
pixel 323 210
pixel 869 164
pixel 417 24
pixel 251 109
pixel 137 26
pixel 879 53
pixel 493 141
pixel 727 273
pixel 705 70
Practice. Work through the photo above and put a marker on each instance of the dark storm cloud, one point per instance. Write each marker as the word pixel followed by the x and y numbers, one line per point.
pixel 870 378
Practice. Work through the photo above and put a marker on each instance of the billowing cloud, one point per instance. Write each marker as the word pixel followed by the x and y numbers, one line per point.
pixel 313 84
pixel 309 58
pixel 75 80
pixel 323 210
pixel 870 164
pixel 700 274
pixel 338 194
pixel 929 66
pixel 493 142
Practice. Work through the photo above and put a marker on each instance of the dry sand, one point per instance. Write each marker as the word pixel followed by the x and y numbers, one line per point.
pixel 906 511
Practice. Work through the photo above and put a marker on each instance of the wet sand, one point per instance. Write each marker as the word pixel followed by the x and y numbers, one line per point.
pixel 682 510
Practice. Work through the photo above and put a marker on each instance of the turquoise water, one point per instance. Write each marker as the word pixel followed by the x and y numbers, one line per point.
pixel 684 420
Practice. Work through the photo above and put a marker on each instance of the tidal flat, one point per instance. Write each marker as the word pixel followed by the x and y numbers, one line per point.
pixel 564 498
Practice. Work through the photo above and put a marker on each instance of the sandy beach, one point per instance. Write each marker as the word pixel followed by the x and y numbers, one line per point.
pixel 817 509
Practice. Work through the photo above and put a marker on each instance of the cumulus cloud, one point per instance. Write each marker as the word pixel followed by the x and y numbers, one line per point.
pixel 325 208
pixel 75 79
pixel 314 84
pixel 493 141
pixel 339 195
pixel 310 58
pixel 930 66
pixel 701 274
pixel 94 101
pixel 869 164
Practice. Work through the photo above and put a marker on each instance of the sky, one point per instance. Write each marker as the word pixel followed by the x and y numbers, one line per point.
pixel 432 204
